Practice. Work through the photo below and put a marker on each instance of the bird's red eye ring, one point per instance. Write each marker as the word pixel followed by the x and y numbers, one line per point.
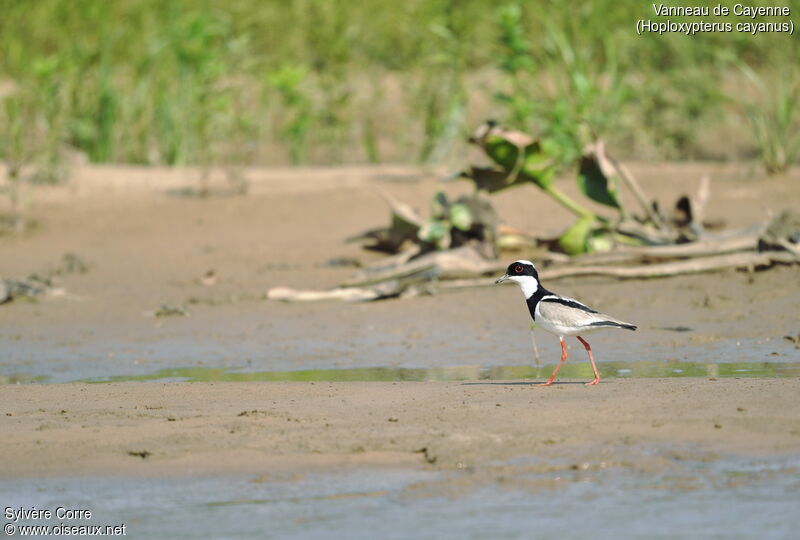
pixel 518 269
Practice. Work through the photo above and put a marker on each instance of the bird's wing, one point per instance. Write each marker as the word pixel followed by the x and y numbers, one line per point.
pixel 571 313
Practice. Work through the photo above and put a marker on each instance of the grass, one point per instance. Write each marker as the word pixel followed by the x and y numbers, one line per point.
pixel 328 81
pixel 774 118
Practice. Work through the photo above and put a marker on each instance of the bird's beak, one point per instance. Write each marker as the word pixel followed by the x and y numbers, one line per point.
pixel 501 279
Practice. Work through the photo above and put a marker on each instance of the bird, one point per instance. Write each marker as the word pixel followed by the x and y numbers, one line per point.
pixel 558 314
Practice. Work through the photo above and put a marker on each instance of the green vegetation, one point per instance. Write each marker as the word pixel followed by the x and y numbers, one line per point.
pixel 220 84
pixel 775 123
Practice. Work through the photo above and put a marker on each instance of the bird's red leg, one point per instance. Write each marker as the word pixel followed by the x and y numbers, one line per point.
pixel 591 358
pixel 561 363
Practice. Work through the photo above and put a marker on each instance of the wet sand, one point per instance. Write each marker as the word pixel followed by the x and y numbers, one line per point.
pixel 145 247
pixel 155 429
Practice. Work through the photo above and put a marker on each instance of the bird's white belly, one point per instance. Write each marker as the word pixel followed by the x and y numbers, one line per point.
pixel 560 328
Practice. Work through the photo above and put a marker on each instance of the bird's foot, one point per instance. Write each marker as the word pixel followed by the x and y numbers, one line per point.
pixel 548 383
pixel 592 383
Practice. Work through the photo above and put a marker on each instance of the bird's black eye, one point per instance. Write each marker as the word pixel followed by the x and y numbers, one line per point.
pixel 518 269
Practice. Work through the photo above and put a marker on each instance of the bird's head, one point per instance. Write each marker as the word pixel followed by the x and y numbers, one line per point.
pixel 524 274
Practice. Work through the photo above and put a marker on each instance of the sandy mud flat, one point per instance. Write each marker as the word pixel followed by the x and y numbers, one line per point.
pixel 145 247
pixel 206 428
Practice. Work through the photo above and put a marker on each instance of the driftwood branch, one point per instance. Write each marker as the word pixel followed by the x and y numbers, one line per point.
pixel 456 263
pixel 791 248
pixel 691 266
pixel 732 242
pixel 354 294
pixel 699 204
pixel 749 259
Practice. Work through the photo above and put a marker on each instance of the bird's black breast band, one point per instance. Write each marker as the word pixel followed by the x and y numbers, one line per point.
pixel 534 299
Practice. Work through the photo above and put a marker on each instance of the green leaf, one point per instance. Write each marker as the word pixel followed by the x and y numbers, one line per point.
pixel 516 152
pixel 596 178
pixel 433 231
pixel 575 239
pixel 538 166
pixel 461 217
pixel 502 151
pixel 491 179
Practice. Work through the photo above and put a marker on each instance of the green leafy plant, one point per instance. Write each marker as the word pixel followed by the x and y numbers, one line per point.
pixel 519 159
pixel 470 219
pixel 446 218
pixel 525 159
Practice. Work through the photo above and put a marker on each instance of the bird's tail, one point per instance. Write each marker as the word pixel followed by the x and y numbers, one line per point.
pixel 615 324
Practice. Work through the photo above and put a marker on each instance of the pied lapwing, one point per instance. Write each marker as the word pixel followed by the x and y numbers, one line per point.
pixel 557 314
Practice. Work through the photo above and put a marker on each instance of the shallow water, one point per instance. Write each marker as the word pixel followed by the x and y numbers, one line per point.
pixel 442 355
pixel 707 497
pixel 466 373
